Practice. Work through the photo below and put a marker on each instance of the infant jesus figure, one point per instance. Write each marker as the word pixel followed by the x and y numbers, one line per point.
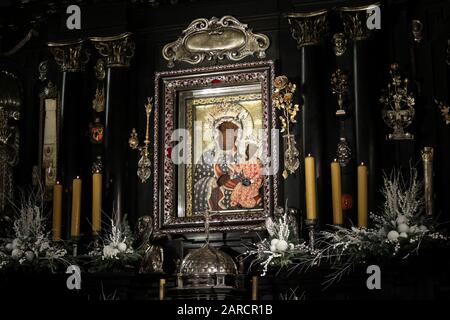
pixel 247 192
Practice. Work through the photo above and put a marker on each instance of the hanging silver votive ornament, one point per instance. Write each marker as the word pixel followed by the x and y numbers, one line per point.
pixel 416 30
pixel 339 44
pixel 344 152
pixel 291 154
pixel 144 163
pixel 398 111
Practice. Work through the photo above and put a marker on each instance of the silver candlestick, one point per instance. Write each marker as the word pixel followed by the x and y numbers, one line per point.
pixel 311 225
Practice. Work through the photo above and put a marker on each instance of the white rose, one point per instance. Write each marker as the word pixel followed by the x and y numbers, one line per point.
pixel 108 251
pixel 16 254
pixel 393 235
pixel 414 229
pixel 122 247
pixel 274 242
pixel 401 219
pixel 29 255
pixel 403 235
pixel 16 243
pixel 403 228
pixel 273 248
pixel 282 245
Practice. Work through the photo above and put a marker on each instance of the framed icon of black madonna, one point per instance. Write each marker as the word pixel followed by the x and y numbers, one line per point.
pixel 214 128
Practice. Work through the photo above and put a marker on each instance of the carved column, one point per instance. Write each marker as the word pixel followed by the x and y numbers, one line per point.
pixel 308 30
pixel 117 51
pixel 71 58
pixel 366 110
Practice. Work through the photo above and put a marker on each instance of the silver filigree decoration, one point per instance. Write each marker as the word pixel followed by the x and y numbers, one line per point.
pixel 416 30
pixel 215 39
pixel 398 111
pixel 339 44
pixel 344 152
pixel 43 69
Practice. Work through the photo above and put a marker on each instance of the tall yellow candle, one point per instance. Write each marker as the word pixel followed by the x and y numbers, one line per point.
pixel 57 207
pixel 96 203
pixel 310 187
pixel 336 192
pixel 363 208
pixel 255 288
pixel 162 290
pixel 76 207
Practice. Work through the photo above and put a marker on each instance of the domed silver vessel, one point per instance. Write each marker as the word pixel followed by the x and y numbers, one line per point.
pixel 207 267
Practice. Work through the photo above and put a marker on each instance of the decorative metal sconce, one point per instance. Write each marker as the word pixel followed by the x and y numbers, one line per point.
pixel 144 163
pixel 416 29
pixel 339 44
pixel 398 112
pixel 339 86
pixel 444 110
pixel 427 158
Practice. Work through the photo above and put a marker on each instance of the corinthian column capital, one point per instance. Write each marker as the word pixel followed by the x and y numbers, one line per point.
pixel 71 56
pixel 117 50
pixel 308 28
pixel 355 20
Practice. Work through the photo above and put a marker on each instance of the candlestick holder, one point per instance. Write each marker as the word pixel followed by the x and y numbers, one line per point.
pixel 311 225
pixel 74 244
pixel 144 163
pixel 427 158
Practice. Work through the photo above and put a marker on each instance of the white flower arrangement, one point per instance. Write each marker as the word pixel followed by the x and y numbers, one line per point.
pixel 281 247
pixel 31 244
pixel 399 230
pixel 115 248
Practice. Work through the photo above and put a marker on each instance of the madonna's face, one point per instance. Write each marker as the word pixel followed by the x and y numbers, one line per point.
pixel 228 133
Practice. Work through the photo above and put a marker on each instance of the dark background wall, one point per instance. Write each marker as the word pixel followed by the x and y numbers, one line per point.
pixel 155 25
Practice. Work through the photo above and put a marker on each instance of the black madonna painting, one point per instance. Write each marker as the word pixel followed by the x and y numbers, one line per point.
pixel 217 152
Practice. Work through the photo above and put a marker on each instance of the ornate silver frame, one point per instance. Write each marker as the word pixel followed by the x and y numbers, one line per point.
pixel 216 39
pixel 168 85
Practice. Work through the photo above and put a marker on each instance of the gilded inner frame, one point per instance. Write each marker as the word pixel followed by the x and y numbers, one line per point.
pixel 182 100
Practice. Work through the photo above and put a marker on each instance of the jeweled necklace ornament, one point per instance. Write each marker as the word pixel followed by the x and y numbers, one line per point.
pixel 398 111
pixel 144 163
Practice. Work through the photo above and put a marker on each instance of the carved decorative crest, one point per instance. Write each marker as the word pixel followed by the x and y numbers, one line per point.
pixel 215 39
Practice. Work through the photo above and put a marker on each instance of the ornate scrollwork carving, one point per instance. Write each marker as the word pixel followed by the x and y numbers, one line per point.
pixel 308 28
pixel 354 20
pixel 215 39
pixel 70 56
pixel 117 50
